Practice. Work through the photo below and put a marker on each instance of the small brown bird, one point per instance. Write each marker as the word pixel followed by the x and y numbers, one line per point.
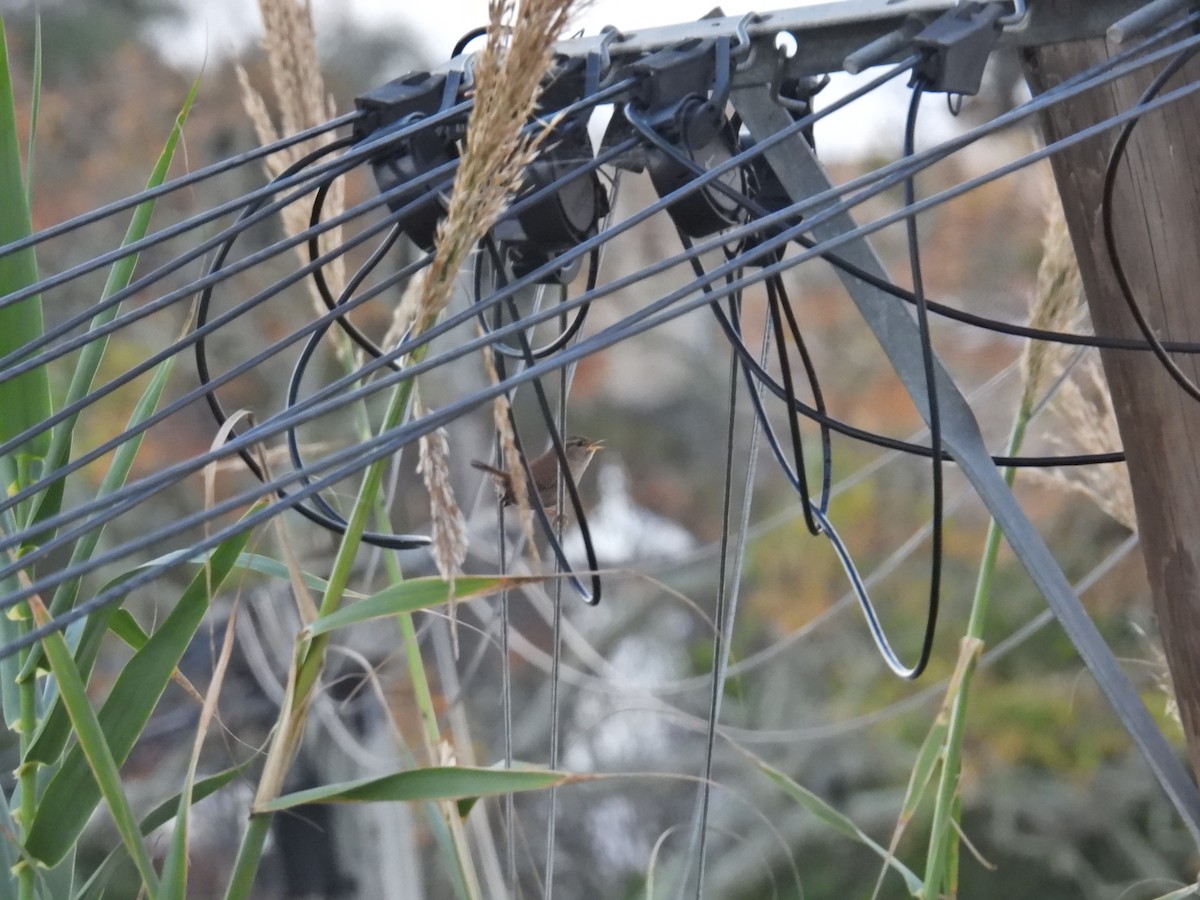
pixel 580 451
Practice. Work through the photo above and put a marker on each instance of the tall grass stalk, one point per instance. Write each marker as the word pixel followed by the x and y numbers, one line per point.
pixel 507 76
pixel 1056 303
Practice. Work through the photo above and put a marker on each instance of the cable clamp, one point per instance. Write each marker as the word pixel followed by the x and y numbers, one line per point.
pixel 955 47
pixel 1018 18
pixel 416 92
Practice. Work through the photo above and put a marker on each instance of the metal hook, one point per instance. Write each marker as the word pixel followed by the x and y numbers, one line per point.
pixel 1018 18
pixel 609 34
pixel 742 33
pixel 742 47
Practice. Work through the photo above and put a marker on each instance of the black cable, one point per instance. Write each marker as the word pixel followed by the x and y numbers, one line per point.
pixel 326 516
pixel 563 338
pixel 934 414
pixel 215 266
pixel 351 330
pixel 466 39
pixel 1110 239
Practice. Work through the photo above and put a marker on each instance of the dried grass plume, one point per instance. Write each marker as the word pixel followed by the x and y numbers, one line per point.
pixel 290 42
pixel 507 75
pixel 449 526
pixel 1082 405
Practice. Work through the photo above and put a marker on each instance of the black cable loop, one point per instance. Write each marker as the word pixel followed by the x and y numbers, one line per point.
pixel 819 415
pixel 204 301
pixel 822 524
pixel 931 392
pixel 857 584
pixel 351 330
pixel 570 328
pixel 1109 228
pixel 325 515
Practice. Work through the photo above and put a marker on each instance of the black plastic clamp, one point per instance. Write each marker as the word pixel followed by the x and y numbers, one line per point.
pixel 956 47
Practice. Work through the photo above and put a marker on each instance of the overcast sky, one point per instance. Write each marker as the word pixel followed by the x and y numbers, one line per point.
pixel 224 23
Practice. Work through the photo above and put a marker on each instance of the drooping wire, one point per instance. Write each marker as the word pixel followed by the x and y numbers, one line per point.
pixel 720 613
pixel 777 303
pixel 325 515
pixel 933 407
pixel 825 527
pixel 351 330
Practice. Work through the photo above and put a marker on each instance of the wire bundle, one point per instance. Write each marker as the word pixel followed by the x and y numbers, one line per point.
pixel 760 246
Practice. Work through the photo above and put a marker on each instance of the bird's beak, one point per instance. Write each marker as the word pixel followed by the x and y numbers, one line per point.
pixel 595 445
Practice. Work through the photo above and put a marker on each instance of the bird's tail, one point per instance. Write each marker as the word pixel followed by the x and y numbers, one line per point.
pixel 491 470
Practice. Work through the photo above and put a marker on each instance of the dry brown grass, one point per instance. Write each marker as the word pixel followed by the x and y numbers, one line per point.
pixel 1084 409
pixel 290 42
pixel 1084 420
pixel 1057 305
pixel 507 74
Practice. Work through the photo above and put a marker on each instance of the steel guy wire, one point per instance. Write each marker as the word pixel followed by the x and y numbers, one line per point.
pixel 569 255
pixel 175 184
pixel 212 326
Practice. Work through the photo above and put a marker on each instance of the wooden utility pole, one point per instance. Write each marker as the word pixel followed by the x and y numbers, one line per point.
pixel 1157 214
